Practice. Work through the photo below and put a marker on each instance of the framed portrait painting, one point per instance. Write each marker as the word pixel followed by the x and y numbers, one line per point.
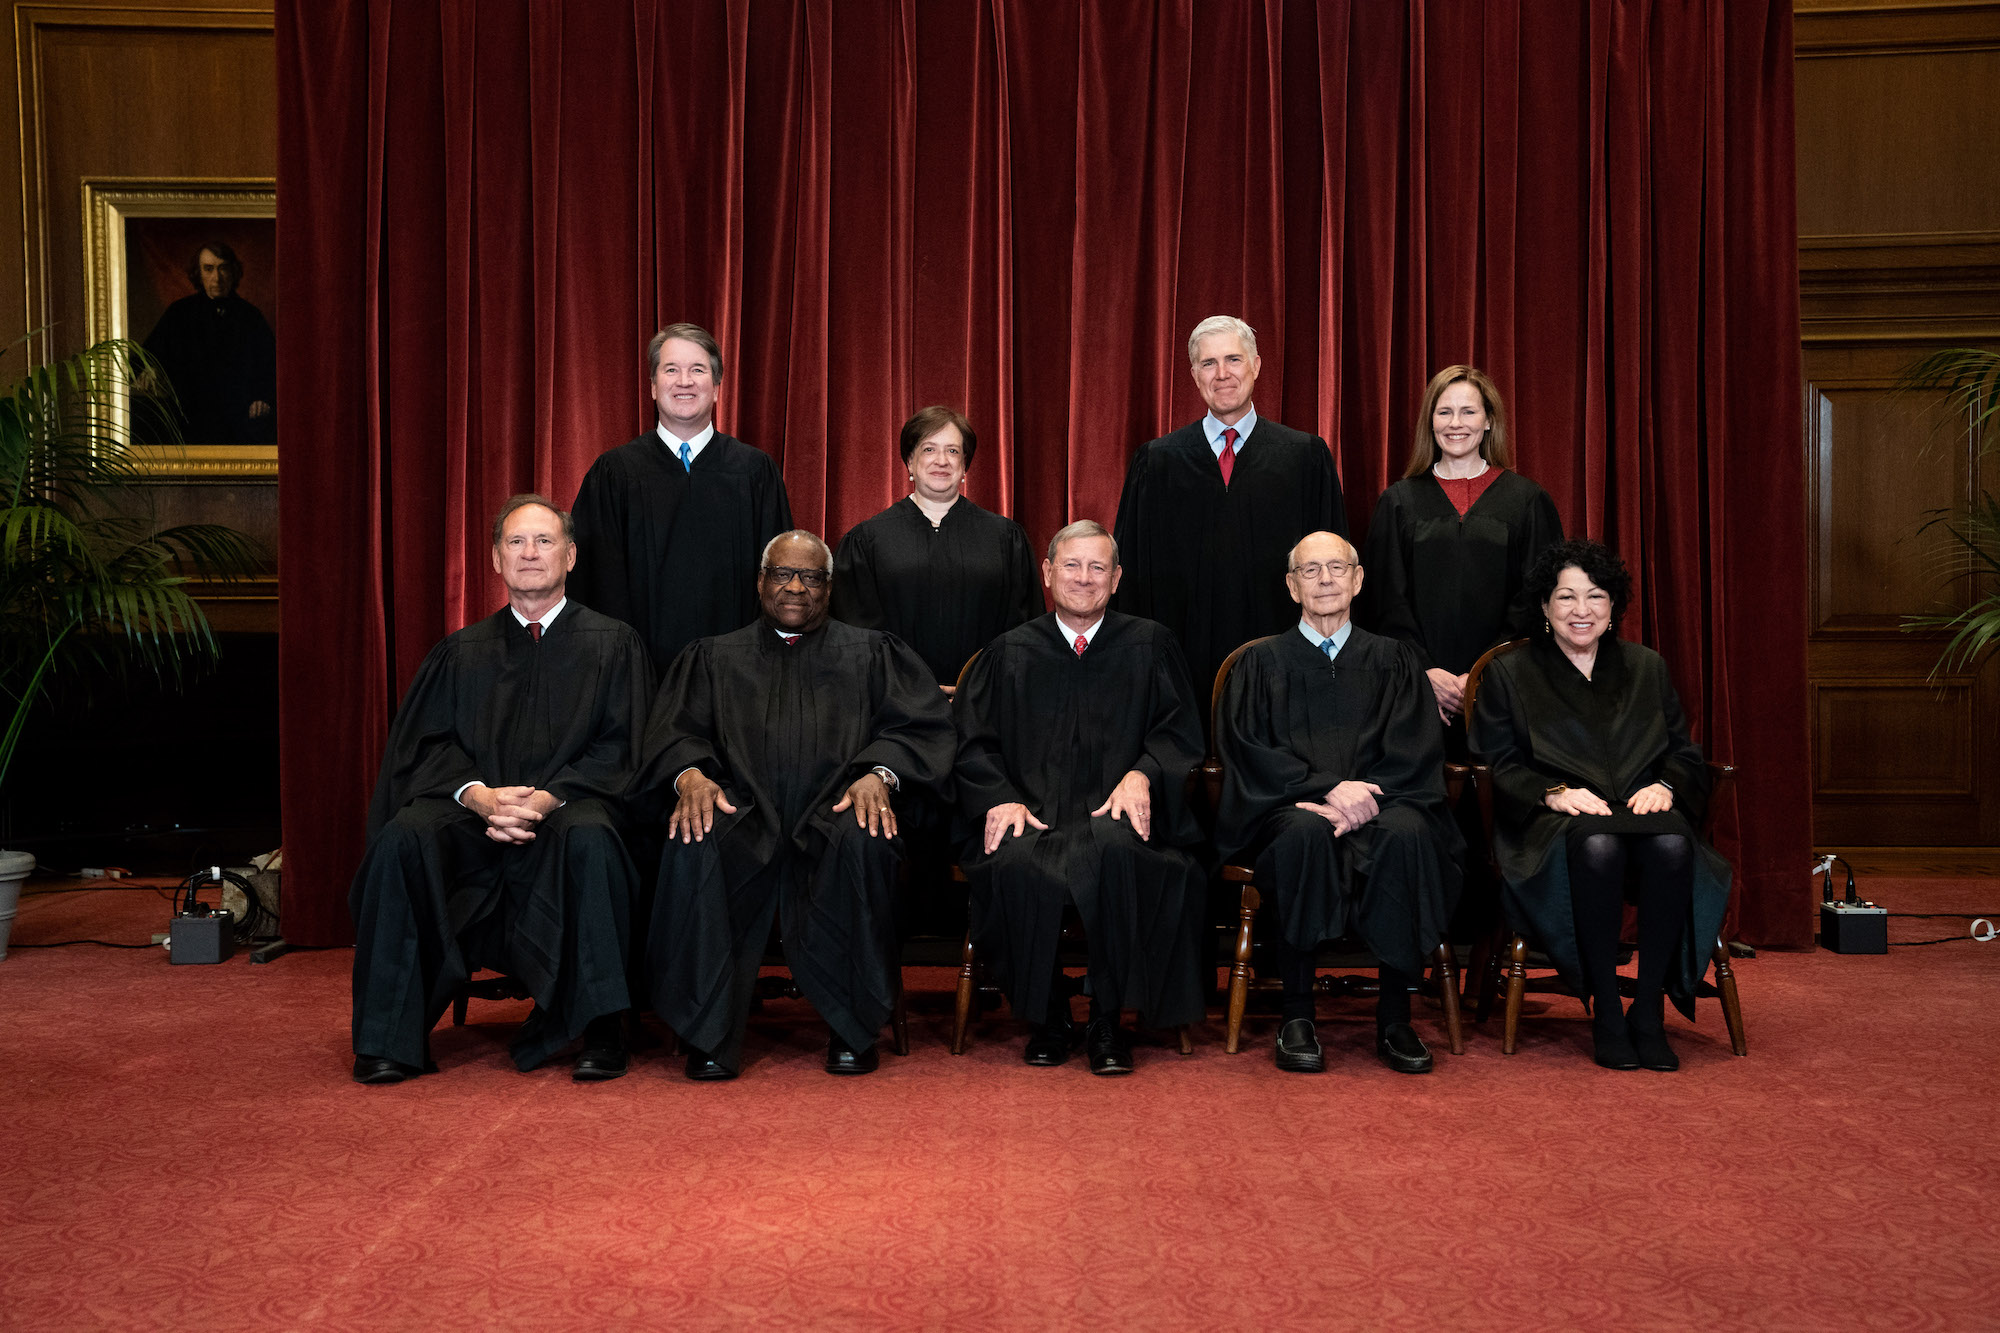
pixel 187 268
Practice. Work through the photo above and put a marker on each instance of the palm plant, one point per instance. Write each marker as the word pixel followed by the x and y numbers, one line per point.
pixel 1968 538
pixel 88 583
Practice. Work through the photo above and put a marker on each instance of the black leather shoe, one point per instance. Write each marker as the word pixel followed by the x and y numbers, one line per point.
pixel 1109 1047
pixel 844 1059
pixel 1403 1050
pixel 1049 1044
pixel 704 1068
pixel 1298 1048
pixel 1613 1042
pixel 381 1069
pixel 603 1051
pixel 1650 1048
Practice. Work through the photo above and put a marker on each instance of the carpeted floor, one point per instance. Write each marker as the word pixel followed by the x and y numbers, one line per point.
pixel 185 1150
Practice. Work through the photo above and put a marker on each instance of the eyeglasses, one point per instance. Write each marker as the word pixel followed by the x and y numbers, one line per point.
pixel 1333 569
pixel 783 574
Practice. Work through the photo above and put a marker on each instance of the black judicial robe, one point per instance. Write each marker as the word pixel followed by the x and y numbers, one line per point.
pixel 1539 723
pixel 1208 560
pixel 1055 731
pixel 784 729
pixel 1449 587
pixel 946 591
pixel 434 898
pixel 1290 727
pixel 671 551
pixel 220 356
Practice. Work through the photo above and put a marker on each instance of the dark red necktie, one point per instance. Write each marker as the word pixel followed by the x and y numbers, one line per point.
pixel 1227 459
pixel 789 639
pixel 535 630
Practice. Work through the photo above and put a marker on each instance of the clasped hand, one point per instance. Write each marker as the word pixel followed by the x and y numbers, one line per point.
pixel 1649 800
pixel 1347 806
pixel 511 813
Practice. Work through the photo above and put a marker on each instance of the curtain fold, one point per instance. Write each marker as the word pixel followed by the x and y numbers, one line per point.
pixel 1020 209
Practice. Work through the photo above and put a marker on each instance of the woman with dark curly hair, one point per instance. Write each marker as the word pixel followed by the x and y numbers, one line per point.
pixel 1598 785
pixel 1451 542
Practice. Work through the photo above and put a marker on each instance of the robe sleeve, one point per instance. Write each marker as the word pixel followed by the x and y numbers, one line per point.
pixel 1385 590
pixel 1132 531
pixel 1407 757
pixel 1025 595
pixel 624 694
pixel 981 772
pixel 425 755
pixel 857 599
pixel 912 733
pixel 1260 770
pixel 600 580
pixel 680 734
pixel 1498 733
pixel 1541 527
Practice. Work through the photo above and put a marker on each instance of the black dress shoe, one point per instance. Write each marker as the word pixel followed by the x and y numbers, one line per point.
pixel 1049 1044
pixel 844 1059
pixel 1649 1047
pixel 705 1068
pixel 1109 1047
pixel 1613 1045
pixel 381 1069
pixel 1298 1048
pixel 1403 1050
pixel 603 1051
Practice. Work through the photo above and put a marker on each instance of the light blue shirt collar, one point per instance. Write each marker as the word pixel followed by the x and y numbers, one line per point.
pixel 1314 637
pixel 1213 429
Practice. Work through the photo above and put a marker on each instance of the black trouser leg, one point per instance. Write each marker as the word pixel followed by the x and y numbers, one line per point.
pixel 1597 905
pixel 1393 1005
pixel 1295 971
pixel 1666 889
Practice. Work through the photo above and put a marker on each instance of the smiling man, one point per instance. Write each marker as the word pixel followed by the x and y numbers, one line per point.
pixel 781 749
pixel 1333 786
pixel 1076 734
pixel 493 839
pixel 670 525
pixel 1209 511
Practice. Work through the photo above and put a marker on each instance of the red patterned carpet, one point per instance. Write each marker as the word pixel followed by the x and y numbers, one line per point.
pixel 186 1151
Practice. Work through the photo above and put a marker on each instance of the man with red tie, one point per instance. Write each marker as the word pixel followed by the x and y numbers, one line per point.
pixel 1210 512
pixel 493 838
pixel 1076 734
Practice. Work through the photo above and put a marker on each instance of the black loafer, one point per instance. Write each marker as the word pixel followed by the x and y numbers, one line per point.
pixel 381 1069
pixel 1613 1045
pixel 1403 1050
pixel 1651 1049
pixel 1049 1044
pixel 705 1068
pixel 1299 1049
pixel 844 1059
pixel 1109 1047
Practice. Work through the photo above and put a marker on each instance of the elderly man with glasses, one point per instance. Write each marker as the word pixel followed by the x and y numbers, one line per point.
pixel 782 748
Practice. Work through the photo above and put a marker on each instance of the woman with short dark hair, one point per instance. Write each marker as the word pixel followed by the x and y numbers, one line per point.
pixel 1597 785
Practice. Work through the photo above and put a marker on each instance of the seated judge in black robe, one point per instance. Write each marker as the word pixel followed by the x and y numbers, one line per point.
pixel 1333 786
pixel 1599 792
pixel 781 744
pixel 493 839
pixel 1210 512
pixel 1450 545
pixel 1072 776
pixel 669 527
pixel 219 355
pixel 934 569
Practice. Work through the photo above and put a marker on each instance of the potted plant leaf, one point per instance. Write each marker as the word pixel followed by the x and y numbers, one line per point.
pixel 91 588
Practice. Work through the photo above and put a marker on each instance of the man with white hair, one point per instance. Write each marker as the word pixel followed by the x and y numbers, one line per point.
pixel 1210 511
pixel 782 748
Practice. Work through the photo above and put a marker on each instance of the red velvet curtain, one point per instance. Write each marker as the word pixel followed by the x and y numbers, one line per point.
pixel 1021 207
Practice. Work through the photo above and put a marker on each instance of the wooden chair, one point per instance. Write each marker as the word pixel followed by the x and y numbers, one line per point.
pixel 1242 976
pixel 1515 946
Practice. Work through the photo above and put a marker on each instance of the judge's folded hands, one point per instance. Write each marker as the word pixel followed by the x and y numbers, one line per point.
pixel 1132 798
pixel 694 812
pixel 1347 806
pixel 511 813
pixel 868 797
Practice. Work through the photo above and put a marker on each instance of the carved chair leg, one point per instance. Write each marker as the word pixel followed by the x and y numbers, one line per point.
pixel 1187 1041
pixel 899 1020
pixel 962 1017
pixel 1239 972
pixel 1732 1006
pixel 1448 992
pixel 1517 986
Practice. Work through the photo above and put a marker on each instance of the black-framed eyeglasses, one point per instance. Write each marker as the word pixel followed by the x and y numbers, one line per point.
pixel 783 574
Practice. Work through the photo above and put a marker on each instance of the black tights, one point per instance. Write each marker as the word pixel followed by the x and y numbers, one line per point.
pixel 1295 970
pixel 1597 902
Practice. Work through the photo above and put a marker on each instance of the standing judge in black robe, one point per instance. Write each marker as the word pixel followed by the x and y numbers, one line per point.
pixel 1333 784
pixel 782 743
pixel 1450 545
pixel 1210 512
pixel 493 839
pixel 670 525
pixel 219 355
pixel 1076 734
pixel 1599 790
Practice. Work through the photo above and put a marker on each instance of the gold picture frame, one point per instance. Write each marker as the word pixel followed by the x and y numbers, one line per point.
pixel 117 207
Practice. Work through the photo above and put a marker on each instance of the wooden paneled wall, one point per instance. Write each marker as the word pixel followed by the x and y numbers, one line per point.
pixel 1899 255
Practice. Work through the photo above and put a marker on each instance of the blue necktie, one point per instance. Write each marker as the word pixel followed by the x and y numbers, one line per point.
pixel 1327 646
pixel 687 459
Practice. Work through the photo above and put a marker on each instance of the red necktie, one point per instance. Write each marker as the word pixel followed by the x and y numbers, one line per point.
pixel 789 639
pixel 535 630
pixel 1081 644
pixel 1227 459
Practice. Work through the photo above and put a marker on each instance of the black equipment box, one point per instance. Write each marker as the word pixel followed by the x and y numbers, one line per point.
pixel 1858 927
pixel 201 937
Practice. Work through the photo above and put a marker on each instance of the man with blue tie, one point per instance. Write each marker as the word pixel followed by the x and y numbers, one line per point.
pixel 669 527
pixel 1333 788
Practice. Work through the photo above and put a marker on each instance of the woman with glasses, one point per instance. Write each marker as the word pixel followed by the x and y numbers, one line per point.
pixel 1450 542
pixel 934 569
pixel 1598 787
